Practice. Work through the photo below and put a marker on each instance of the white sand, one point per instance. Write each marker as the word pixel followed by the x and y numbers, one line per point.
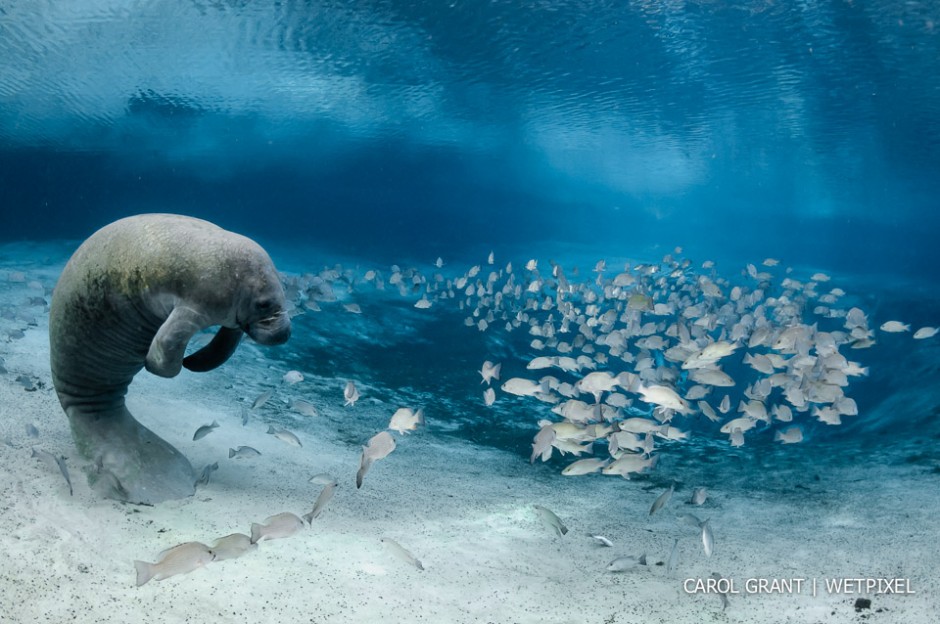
pixel 465 512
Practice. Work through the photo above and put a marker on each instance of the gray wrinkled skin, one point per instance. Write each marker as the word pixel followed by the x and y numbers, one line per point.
pixel 131 297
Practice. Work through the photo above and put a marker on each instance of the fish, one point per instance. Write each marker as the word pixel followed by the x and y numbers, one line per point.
pixel 350 394
pixel 423 303
pixel 699 496
pixel 603 541
pixel 521 387
pixel 181 559
pixel 708 539
pixel 245 415
pixel 542 444
pixel 323 478
pixel 263 398
pixel 405 420
pixel 292 377
pixel 205 430
pixel 399 551
pixel 790 435
pixel 584 466
pixel 325 495
pixel 673 560
pixel 232 546
pixel 378 447
pixel 304 408
pixel 277 526
pixel 926 332
pixel 490 371
pixel 628 562
pixel 665 397
pixel 489 397
pixel 31 430
pixel 288 437
pixel 662 499
pixel 627 463
pixel 54 461
pixel 207 471
pixel 242 452
pixel 894 327
pixel 352 308
pixel 551 520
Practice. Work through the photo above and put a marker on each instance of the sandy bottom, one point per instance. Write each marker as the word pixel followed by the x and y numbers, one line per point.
pixel 466 512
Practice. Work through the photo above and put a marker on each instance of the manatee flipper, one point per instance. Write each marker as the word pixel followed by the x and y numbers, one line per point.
pixel 214 354
pixel 131 463
pixel 165 357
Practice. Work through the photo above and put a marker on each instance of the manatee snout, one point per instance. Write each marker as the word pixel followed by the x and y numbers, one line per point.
pixel 271 331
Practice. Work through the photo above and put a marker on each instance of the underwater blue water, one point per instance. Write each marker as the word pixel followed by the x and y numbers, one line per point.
pixel 397 132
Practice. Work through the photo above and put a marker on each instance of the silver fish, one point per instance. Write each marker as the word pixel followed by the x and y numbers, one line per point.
pixel 378 447
pixel 53 461
pixel 673 558
pixel 323 478
pixel 180 559
pixel 699 496
pixel 285 436
pixel 205 430
pixel 603 541
pixel 399 551
pixel 325 495
pixel 662 499
pixel 304 408
pixel 551 520
pixel 350 394
pixel 628 562
pixel 263 398
pixel 278 526
pixel 708 540
pixel 232 546
pixel 243 452
pixel 206 473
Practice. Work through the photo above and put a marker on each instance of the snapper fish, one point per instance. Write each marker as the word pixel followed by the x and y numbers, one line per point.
pixel 232 546
pixel 206 474
pixel 521 387
pixel 350 394
pixel 790 435
pixel 551 520
pixel 401 552
pixel 303 407
pixel 205 430
pixel 405 420
pixel 243 452
pixel 603 541
pixel 699 496
pixel 263 398
pixel 181 559
pixel 662 499
pixel 627 562
pixel 292 377
pixel 378 447
pixel 926 332
pixel 277 526
pixel 325 495
pixel 664 397
pixel 54 461
pixel 288 437
pixel 584 466
pixel 489 397
pixel 489 372
pixel 894 327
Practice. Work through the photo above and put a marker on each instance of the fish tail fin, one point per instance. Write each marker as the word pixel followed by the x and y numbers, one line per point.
pixel 144 572
pixel 255 532
pixel 271 429
pixel 231 453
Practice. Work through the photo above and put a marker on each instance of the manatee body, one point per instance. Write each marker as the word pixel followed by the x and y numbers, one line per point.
pixel 131 297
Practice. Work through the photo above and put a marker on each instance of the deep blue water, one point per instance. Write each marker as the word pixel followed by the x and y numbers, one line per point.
pixel 401 131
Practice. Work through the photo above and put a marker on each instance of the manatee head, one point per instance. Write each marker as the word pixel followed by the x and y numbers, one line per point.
pixel 262 306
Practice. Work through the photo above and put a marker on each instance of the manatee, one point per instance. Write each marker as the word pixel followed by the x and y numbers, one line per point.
pixel 131 297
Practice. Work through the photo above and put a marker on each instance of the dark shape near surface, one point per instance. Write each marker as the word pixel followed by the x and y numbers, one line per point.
pixel 131 297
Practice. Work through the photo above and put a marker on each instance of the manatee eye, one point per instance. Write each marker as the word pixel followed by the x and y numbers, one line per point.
pixel 264 305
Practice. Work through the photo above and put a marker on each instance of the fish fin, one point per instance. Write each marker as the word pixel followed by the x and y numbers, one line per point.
pixel 255 532
pixel 144 572
pixel 231 453
pixel 214 354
